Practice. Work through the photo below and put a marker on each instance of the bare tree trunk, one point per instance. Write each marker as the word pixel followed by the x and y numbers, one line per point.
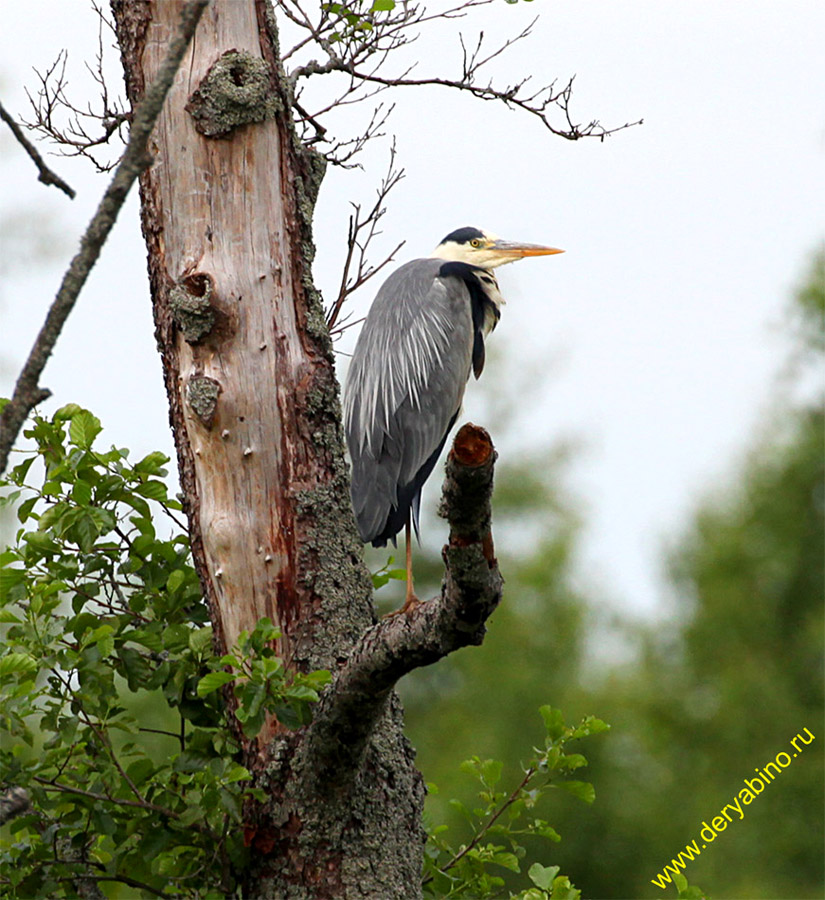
pixel 254 408
pixel 253 401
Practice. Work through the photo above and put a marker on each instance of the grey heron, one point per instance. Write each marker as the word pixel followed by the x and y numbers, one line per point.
pixel 422 338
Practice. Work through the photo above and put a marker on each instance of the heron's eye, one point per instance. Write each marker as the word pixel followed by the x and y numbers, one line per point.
pixel 475 242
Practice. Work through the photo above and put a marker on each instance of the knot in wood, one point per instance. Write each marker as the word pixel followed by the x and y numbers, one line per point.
pixel 237 90
pixel 190 303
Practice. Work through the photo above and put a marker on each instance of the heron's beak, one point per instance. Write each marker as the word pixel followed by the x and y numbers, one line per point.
pixel 512 250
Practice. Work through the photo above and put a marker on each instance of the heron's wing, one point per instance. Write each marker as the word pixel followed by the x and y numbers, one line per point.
pixel 404 388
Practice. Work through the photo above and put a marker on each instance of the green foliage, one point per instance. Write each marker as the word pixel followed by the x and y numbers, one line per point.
pixel 261 684
pixel 356 19
pixel 101 616
pixel 688 891
pixel 385 574
pixel 502 820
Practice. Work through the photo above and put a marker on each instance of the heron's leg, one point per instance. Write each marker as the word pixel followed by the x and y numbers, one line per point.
pixel 410 597
pixel 410 600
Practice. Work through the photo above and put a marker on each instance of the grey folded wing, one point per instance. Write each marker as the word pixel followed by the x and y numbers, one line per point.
pixel 404 390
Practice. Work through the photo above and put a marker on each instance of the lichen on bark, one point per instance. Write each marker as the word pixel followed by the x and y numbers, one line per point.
pixel 235 91
pixel 202 394
pixel 192 311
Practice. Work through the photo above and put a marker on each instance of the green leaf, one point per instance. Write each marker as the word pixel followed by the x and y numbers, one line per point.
pixel 86 532
pixel 82 493
pixel 17 662
pixel 153 490
pixel 8 579
pixel 7 617
pixel 542 876
pixel 590 725
pixel 176 637
pixel 140 770
pixel 507 860
pixel 211 682
pixel 318 678
pixel 572 761
pixel 84 428
pixel 231 803
pixel 544 830
pixel 301 692
pixel 553 721
pixel 563 890
pixel 491 771
pixel 201 639
pixel 152 464
pixel 104 638
pixel 237 773
pixel 43 543
pixel 384 574
pixel 8 499
pixel 146 637
pixel 67 412
pixel 265 632
pixel 175 580
pixel 25 509
pixel 383 5
pixel 581 789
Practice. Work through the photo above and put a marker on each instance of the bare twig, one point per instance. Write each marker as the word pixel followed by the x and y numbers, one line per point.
pixel 359 237
pixel 537 104
pixel 76 137
pixel 47 176
pixel 27 392
pixel 360 45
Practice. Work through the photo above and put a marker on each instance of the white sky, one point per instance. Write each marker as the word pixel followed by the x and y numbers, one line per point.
pixel 654 339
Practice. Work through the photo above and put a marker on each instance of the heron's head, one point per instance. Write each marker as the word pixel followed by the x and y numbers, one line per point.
pixel 485 250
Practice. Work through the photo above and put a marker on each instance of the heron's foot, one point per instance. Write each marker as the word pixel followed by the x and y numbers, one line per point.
pixel 410 603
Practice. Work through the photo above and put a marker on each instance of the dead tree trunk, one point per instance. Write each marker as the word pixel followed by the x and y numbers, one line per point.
pixel 226 211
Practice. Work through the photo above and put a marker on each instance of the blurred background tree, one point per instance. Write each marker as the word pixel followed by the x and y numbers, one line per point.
pixel 697 699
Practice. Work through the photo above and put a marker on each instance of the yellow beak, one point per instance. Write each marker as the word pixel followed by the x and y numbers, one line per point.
pixel 515 250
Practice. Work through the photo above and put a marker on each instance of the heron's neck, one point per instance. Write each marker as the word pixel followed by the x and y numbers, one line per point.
pixel 489 285
pixel 492 310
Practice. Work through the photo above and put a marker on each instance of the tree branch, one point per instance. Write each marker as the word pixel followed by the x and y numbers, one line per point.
pixel 470 592
pixel 27 392
pixel 52 785
pixel 46 174
pixel 537 105
pixel 52 103
pixel 361 50
pixel 488 824
pixel 369 225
